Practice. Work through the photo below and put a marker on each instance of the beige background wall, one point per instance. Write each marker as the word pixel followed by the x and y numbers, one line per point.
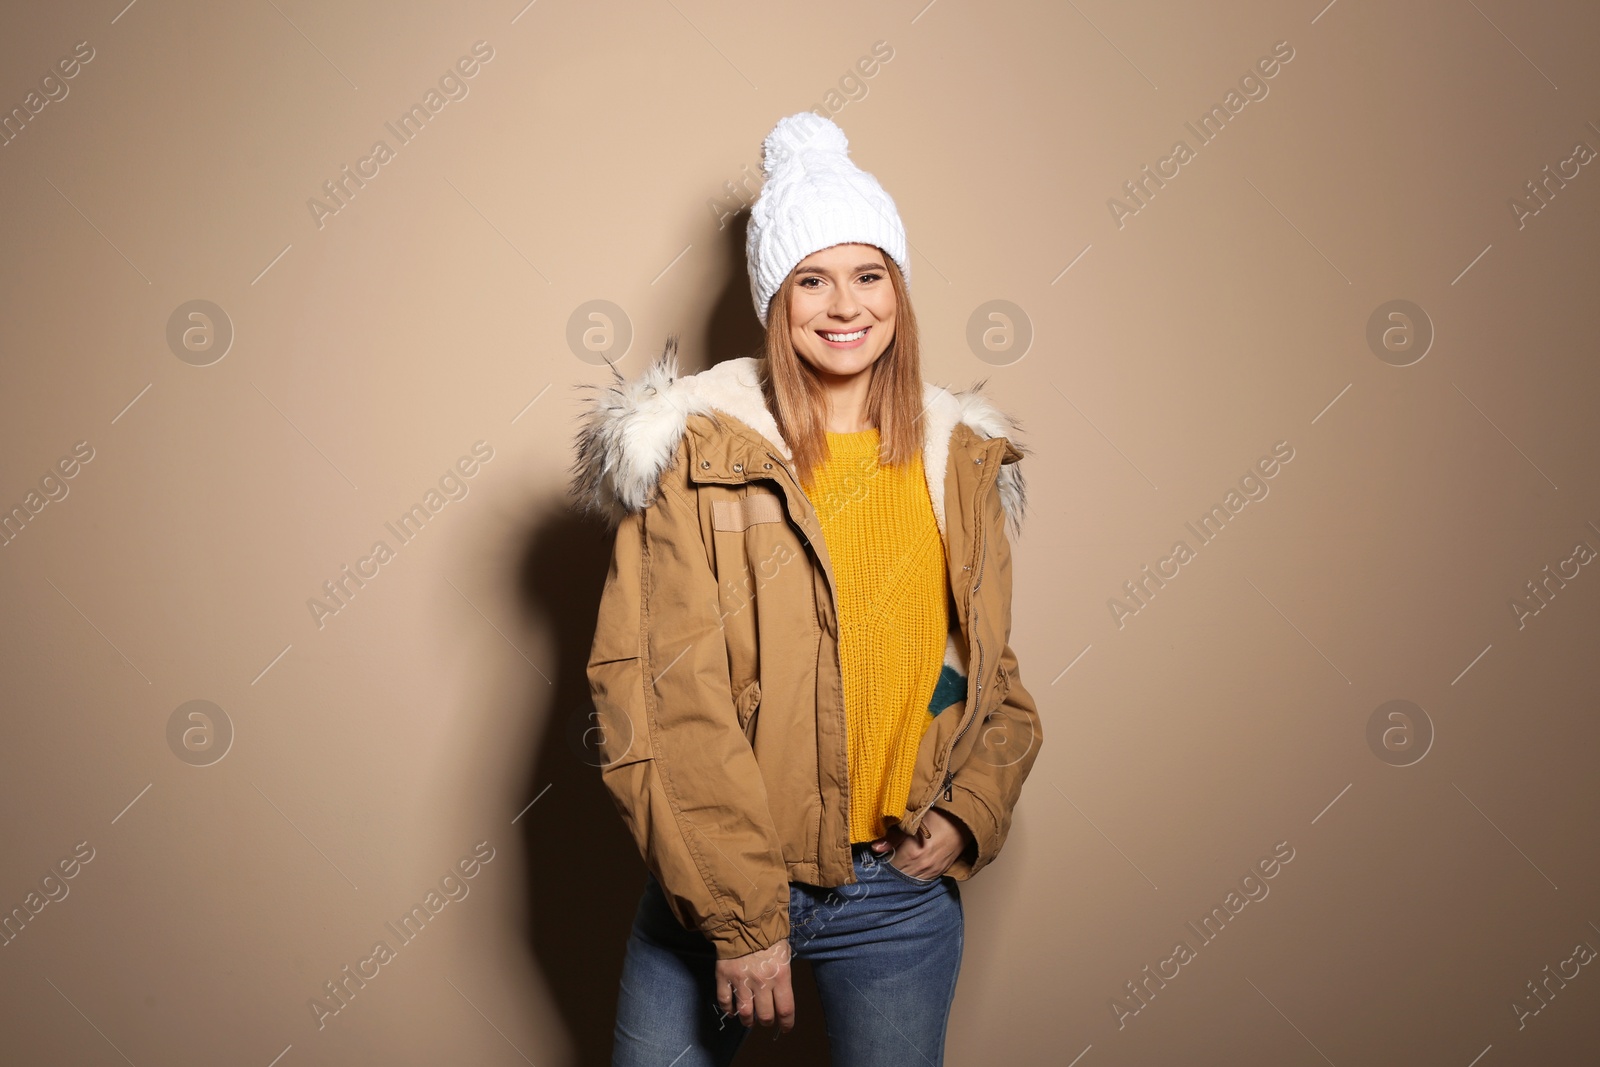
pixel 1440 862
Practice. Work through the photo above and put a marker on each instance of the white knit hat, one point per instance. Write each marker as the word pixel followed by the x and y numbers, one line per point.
pixel 814 198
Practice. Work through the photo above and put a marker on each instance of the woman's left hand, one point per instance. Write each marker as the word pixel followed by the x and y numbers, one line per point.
pixel 930 858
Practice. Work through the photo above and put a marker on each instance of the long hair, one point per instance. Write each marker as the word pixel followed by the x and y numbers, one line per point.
pixel 799 404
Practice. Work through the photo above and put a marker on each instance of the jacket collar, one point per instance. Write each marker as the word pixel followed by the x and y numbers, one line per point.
pixel 630 432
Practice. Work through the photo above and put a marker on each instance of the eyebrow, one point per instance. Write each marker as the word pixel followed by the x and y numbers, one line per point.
pixel 857 270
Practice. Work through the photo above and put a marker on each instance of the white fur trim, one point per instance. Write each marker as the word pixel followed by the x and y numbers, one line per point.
pixel 955 650
pixel 630 431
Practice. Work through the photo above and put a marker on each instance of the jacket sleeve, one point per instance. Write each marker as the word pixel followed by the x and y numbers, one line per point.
pixel 985 788
pixel 672 754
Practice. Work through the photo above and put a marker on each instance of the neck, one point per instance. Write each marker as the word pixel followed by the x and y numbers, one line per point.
pixel 847 400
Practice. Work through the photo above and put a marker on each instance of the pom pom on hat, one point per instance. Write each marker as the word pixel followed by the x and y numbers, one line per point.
pixel 804 134
pixel 814 198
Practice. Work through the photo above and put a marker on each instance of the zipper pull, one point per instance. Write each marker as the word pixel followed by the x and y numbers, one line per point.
pixel 948 775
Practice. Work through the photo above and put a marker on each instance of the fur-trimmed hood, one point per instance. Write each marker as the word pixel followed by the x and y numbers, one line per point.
pixel 630 430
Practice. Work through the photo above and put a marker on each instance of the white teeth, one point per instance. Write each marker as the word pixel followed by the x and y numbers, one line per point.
pixel 843 337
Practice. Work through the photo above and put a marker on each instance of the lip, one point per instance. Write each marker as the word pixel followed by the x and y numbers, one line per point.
pixel 858 342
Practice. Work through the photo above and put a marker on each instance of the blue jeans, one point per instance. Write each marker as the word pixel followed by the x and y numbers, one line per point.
pixel 884 951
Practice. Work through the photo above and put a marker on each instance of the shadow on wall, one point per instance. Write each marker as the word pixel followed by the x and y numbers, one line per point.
pixel 584 874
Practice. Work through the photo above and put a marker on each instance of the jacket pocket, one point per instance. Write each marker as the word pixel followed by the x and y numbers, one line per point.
pixel 748 700
pixel 617 732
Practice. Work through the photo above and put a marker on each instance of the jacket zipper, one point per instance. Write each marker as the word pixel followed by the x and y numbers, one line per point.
pixel 785 468
pixel 949 775
pixel 796 481
pixel 834 592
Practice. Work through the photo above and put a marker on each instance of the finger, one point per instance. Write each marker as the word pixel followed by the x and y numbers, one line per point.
pixel 783 1003
pixel 745 997
pixel 765 1013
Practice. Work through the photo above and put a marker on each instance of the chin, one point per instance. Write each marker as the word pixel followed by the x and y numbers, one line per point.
pixel 836 361
pixel 851 364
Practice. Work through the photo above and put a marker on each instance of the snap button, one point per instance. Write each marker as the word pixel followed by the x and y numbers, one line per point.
pixel 767 465
pixel 738 466
pixel 704 464
pixel 978 460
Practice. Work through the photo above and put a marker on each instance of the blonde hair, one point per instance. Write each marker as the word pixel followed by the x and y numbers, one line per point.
pixel 799 403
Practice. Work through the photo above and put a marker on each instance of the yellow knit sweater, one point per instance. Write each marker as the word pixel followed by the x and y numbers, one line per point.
pixel 889 568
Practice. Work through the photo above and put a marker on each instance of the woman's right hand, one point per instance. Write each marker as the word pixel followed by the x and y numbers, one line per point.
pixel 757 987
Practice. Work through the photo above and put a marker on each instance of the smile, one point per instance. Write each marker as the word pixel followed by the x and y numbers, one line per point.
pixel 843 338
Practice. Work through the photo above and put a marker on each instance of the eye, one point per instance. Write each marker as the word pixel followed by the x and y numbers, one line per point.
pixel 871 277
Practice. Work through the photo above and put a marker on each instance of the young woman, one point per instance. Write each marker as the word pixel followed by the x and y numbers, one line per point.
pixel 809 714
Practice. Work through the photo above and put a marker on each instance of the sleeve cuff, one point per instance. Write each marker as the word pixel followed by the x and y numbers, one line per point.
pixel 735 938
pixel 969 809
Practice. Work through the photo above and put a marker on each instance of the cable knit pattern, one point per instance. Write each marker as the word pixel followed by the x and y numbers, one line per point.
pixel 889 566
pixel 814 197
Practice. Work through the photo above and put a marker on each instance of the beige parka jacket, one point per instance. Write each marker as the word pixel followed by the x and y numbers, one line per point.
pixel 719 708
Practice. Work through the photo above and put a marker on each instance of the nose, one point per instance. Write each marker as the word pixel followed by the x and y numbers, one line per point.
pixel 845 304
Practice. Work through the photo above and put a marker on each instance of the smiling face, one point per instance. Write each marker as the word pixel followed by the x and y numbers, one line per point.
pixel 842 309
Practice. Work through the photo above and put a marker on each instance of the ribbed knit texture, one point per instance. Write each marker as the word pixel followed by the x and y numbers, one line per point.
pixel 889 566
